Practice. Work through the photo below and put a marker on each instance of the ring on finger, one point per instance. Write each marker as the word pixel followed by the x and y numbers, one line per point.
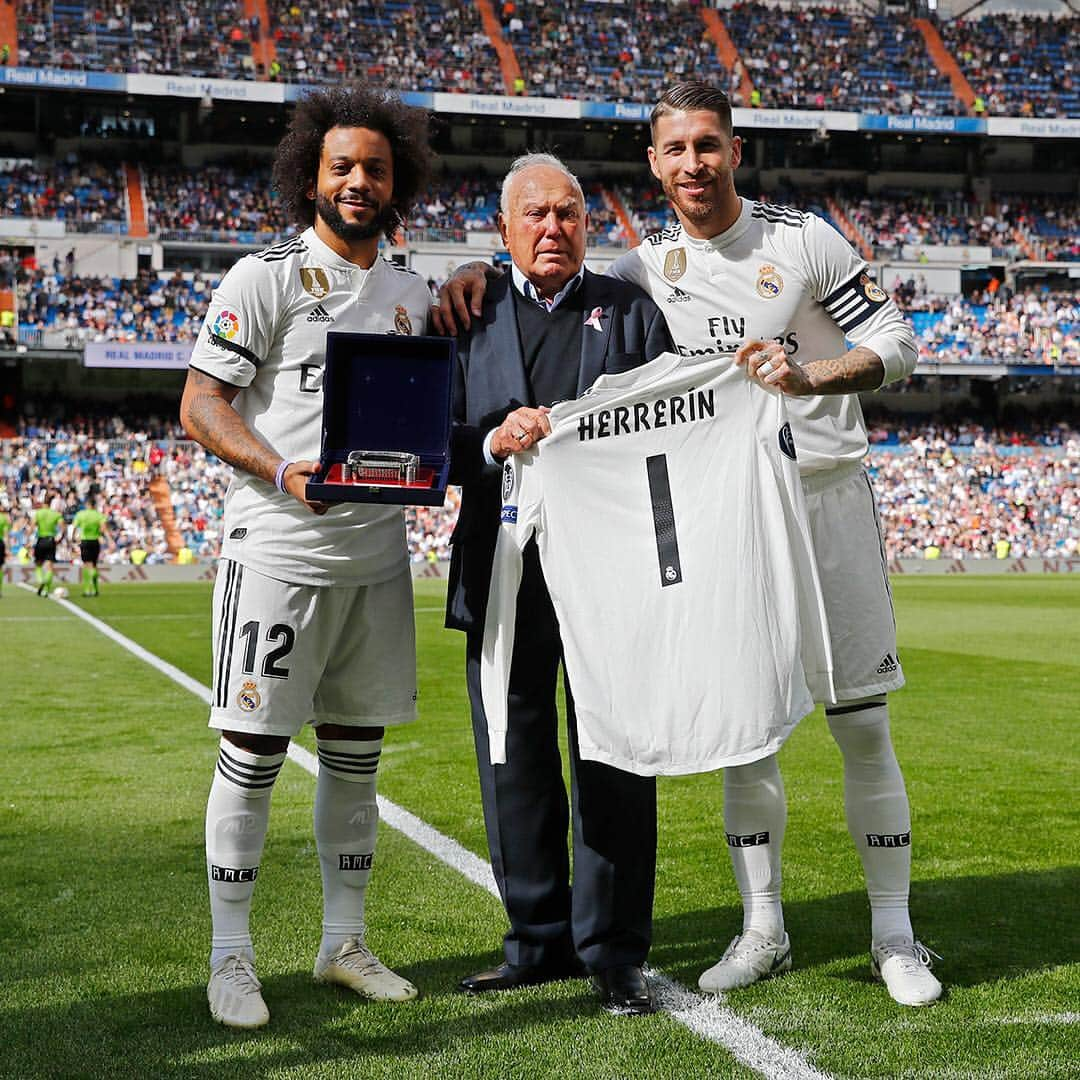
pixel 522 436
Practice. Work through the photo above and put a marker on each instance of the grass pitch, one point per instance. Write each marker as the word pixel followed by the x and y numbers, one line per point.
pixel 104 774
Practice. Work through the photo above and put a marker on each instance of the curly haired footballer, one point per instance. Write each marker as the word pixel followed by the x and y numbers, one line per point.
pixel 296 163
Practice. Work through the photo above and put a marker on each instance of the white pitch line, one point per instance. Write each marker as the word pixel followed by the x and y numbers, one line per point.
pixel 707 1017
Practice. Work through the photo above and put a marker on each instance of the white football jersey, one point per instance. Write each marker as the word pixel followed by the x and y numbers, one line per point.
pixel 265 331
pixel 669 516
pixel 780 274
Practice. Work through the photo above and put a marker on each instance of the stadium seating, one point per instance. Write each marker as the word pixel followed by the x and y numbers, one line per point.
pixel 960 488
pixel 68 310
pixel 214 202
pixel 1019 65
pixel 826 58
pixel 811 57
pixel 611 52
pixel 83 194
pixel 408 46
pixel 182 37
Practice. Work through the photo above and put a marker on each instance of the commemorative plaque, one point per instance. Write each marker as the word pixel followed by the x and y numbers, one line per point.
pixel 386 419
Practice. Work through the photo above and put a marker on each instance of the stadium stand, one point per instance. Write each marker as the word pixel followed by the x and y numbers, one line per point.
pixel 1027 328
pixel 957 489
pixel 827 58
pixel 182 37
pixel 611 52
pixel 421 46
pixel 68 310
pixel 81 194
pixel 809 57
pixel 1019 65
pixel 214 202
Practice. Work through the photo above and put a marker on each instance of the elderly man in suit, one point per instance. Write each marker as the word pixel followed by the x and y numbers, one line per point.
pixel 548 330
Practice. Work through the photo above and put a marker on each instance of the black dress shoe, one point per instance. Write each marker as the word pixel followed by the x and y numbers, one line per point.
pixel 510 976
pixel 624 989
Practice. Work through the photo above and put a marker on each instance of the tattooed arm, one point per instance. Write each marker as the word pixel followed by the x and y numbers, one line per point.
pixel 208 416
pixel 767 363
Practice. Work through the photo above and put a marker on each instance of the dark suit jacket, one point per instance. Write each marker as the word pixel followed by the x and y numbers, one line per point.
pixel 490 381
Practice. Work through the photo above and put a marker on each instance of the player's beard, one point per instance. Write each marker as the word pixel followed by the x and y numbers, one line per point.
pixel 385 218
pixel 697 211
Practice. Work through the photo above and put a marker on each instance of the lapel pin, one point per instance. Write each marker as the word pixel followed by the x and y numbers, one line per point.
pixel 594 318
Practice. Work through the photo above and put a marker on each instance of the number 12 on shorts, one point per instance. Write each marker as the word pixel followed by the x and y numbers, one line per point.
pixel 667 540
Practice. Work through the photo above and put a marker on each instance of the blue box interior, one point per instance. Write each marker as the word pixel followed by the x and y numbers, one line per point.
pixel 386 392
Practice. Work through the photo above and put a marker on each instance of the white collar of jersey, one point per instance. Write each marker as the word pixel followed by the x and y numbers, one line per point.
pixel 528 290
pixel 329 257
pixel 729 235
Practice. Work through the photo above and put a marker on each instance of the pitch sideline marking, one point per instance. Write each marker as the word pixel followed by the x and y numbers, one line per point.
pixel 707 1017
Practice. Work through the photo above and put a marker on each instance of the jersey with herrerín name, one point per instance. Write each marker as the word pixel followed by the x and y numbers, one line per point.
pixel 265 331
pixel 669 517
pixel 787 275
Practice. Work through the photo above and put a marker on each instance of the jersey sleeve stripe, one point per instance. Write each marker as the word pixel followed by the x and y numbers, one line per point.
pixel 849 286
pixel 232 346
pixel 854 317
pixel 845 306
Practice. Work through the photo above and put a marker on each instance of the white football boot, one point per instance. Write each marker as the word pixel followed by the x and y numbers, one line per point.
pixel 905 971
pixel 750 957
pixel 235 994
pixel 354 965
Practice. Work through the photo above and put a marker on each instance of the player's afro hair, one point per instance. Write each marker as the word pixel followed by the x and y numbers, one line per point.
pixel 296 163
pixel 690 96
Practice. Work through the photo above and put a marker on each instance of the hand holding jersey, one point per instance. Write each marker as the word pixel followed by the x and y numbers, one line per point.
pixel 522 429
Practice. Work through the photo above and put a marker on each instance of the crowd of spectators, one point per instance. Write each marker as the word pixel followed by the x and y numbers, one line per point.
pixel 970 493
pixel 406 46
pixel 948 490
pixel 609 52
pixel 70 471
pixel 215 199
pixel 1037 327
pixel 899 224
pixel 70 310
pixel 798 56
pixel 826 58
pixel 183 37
pixel 1019 64
pixel 76 193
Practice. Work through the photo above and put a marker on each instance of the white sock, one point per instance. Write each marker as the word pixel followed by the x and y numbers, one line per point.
pixel 878 815
pixel 346 821
pixel 237 813
pixel 755 813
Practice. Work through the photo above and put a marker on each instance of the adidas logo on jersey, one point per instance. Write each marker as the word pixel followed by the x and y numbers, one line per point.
pixel 888 664
pixel 320 314
pixel 678 296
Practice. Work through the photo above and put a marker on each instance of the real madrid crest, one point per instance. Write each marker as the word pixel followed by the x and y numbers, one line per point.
pixel 402 322
pixel 315 281
pixel 872 290
pixel 769 283
pixel 249 698
pixel 675 264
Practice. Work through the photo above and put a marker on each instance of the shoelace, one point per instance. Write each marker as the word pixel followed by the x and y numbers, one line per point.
pixel 241 975
pixel 913 956
pixel 359 956
pixel 745 946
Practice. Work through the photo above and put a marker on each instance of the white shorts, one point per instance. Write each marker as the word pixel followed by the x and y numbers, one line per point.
pixel 854 582
pixel 288 655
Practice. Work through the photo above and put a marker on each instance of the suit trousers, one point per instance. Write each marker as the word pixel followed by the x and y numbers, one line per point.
pixel 606 916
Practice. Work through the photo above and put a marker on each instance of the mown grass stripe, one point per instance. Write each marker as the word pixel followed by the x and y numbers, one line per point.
pixel 707 1017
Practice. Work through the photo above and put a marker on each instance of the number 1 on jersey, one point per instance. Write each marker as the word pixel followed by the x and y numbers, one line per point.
pixel 667 540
